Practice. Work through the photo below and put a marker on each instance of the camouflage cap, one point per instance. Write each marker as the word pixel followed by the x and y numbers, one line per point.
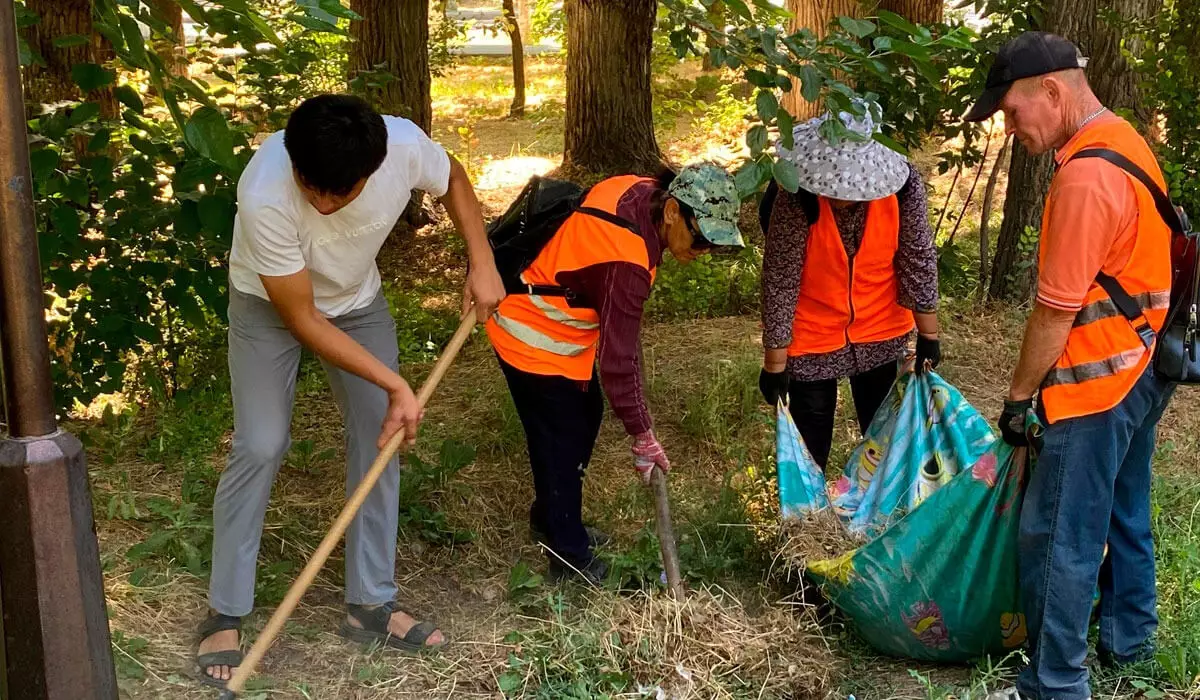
pixel 709 190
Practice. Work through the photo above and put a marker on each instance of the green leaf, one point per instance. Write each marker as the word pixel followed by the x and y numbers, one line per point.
pixel 335 7
pixel 912 50
pixel 99 140
pixel 760 79
pixel 89 76
pixel 77 191
pixel 129 97
pixel 786 175
pixel 69 40
pixel 208 132
pixel 739 8
pixel 767 105
pixel 810 82
pixel 216 215
pixel 510 682
pixel 133 39
pixel 319 25
pixel 787 125
pixel 85 112
pixel 892 144
pixel 190 309
pixel 65 220
pixel 897 22
pixel 756 139
pixel 42 163
pixel 859 28
pixel 883 43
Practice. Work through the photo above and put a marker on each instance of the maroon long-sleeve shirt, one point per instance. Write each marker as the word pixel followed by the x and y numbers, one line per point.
pixel 618 292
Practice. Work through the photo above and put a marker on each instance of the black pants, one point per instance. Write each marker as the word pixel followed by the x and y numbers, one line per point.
pixel 562 419
pixel 813 405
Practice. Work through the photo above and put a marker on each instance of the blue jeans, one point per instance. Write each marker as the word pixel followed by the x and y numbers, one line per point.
pixel 1091 486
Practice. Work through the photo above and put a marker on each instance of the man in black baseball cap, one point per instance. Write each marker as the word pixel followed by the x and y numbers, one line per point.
pixel 1027 56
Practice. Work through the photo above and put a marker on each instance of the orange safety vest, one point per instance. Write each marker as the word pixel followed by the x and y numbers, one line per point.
pixel 1104 355
pixel 545 335
pixel 847 300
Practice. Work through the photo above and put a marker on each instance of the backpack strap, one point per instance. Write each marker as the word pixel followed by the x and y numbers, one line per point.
pixel 548 290
pixel 1168 212
pixel 1128 307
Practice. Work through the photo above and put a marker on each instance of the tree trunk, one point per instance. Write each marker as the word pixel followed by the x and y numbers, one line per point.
pixel 815 15
pixel 609 121
pixel 716 17
pixel 518 59
pixel 171 51
pixel 52 82
pixel 1029 176
pixel 916 11
pixel 395 33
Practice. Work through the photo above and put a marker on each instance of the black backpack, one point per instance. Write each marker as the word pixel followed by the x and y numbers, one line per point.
pixel 520 234
pixel 1175 358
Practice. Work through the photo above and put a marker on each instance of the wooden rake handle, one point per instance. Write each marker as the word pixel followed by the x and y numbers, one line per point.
pixel 666 532
pixel 309 574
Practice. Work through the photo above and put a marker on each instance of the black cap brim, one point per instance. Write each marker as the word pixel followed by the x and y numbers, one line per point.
pixel 988 103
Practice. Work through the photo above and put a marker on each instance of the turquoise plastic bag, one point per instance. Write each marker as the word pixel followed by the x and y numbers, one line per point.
pixel 939 581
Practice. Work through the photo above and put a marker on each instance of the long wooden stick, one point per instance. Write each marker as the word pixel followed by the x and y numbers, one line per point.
pixel 309 574
pixel 666 532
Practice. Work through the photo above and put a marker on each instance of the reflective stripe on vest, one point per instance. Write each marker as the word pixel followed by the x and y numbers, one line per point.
pixel 844 300
pixel 1104 355
pixel 545 335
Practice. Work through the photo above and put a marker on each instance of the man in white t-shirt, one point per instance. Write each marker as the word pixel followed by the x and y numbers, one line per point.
pixel 315 205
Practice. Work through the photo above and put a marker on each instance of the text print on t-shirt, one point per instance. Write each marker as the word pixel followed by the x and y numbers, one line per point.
pixel 352 233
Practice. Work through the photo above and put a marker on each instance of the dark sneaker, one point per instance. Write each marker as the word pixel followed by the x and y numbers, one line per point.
pixel 594 573
pixel 596 538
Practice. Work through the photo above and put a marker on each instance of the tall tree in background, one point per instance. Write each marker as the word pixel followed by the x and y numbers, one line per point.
pixel 395 33
pixel 513 26
pixel 171 50
pixel 1029 176
pixel 716 17
pixel 609 122
pixel 814 15
pixel 917 11
pixel 63 38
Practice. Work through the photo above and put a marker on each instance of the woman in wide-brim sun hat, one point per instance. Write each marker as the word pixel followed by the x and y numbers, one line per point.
pixel 849 275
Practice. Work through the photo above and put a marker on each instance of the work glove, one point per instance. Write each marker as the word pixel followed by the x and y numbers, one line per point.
pixel 928 350
pixel 1012 422
pixel 648 452
pixel 774 386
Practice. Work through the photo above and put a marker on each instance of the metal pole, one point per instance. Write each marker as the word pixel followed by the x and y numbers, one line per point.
pixel 56 643
pixel 23 343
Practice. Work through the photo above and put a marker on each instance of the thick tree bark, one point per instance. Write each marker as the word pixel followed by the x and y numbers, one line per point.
pixel 395 33
pixel 609 121
pixel 917 11
pixel 518 59
pixel 52 82
pixel 816 16
pixel 171 51
pixel 1029 176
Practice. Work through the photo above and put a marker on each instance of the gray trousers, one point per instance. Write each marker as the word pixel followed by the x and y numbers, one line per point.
pixel 263 360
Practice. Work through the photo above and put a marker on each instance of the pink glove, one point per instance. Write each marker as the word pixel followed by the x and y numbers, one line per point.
pixel 648 452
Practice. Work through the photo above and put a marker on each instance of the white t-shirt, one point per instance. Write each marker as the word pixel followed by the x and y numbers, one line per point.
pixel 277 232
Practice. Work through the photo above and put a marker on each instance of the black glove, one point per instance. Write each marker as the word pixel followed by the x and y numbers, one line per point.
pixel 1012 422
pixel 928 350
pixel 774 386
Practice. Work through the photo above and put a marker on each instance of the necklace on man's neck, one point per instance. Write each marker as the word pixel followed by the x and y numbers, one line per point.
pixel 1092 116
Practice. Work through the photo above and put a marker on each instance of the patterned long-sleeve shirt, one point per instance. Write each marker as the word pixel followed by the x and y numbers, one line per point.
pixel 783 264
pixel 618 292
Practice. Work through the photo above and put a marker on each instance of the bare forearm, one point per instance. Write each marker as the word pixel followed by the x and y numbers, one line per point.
pixel 464 209
pixel 331 344
pixel 1045 338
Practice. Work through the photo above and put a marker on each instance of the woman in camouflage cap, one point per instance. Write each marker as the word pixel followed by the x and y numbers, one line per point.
pixel 603 258
pixel 849 273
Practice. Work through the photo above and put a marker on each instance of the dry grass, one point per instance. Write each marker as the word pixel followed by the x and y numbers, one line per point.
pixel 816 537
